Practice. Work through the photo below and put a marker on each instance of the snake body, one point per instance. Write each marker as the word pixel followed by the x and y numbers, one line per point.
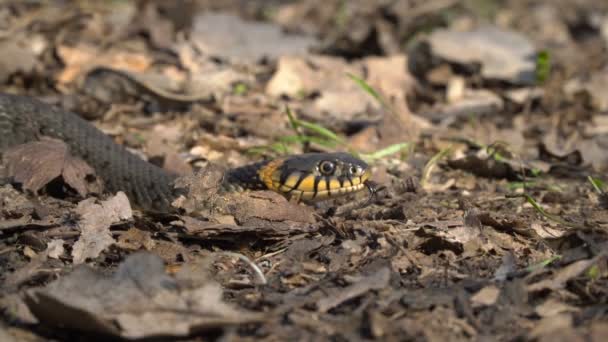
pixel 305 177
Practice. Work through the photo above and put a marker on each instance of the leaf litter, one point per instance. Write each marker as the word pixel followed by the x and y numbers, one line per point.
pixel 138 301
pixel 502 240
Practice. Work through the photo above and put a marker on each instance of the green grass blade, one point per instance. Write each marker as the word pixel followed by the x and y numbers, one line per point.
pixel 426 172
pixel 367 88
pixel 551 217
pixel 275 149
pixel 543 66
pixel 293 122
pixel 543 263
pixel 597 184
pixel 520 185
pixel 301 139
pixel 320 130
pixel 387 151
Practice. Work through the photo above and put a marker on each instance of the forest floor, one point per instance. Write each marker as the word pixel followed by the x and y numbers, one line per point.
pixel 485 122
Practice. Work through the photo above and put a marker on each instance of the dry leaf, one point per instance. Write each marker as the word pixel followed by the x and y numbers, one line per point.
pixel 486 296
pixel 55 248
pixel 138 301
pixel 35 164
pixel 95 223
pixel 375 281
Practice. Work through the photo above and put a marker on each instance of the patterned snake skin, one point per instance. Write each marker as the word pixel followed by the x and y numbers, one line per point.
pixel 305 177
pixel 24 119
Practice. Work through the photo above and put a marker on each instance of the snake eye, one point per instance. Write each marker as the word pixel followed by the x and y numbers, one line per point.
pixel 327 167
pixel 354 170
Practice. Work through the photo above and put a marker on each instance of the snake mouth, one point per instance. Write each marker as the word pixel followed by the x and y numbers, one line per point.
pixel 307 194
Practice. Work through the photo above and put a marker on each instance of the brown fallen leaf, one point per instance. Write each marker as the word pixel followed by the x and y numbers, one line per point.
pixel 593 86
pixel 485 297
pixel 445 235
pixel 547 232
pixel 598 331
pixel 83 57
pixel 553 307
pixel 473 102
pixel 554 326
pixel 138 301
pixel 162 141
pixel 198 229
pixel 341 101
pixel 36 164
pixel 159 29
pixel 390 77
pixel 96 219
pixel 227 36
pixel 375 281
pixel 504 55
pixel 32 270
pixel 268 206
pixel 560 278
pixel 135 239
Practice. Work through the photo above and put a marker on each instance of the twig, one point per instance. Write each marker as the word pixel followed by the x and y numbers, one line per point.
pixel 256 269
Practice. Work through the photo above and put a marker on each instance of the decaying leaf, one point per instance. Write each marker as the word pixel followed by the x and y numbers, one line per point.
pixel 37 163
pixel 227 36
pixel 553 307
pixel 375 281
pixel 554 326
pixel 504 55
pixel 81 58
pixel 563 275
pixel 134 239
pixel 138 301
pixel 95 222
pixel 486 296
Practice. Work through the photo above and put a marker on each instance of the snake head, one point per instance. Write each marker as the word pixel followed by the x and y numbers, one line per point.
pixel 314 177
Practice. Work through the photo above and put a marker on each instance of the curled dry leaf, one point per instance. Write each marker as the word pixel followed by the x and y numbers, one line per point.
pixel 36 164
pixel 95 223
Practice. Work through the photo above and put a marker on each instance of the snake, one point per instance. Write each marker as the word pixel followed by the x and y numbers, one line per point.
pixel 307 177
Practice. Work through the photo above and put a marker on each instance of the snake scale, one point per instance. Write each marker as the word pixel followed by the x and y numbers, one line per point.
pixel 305 177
